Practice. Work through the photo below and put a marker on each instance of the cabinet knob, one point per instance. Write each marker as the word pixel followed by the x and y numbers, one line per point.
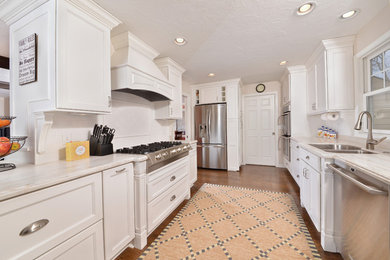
pixel 298 159
pixel 172 178
pixel 297 146
pixel 308 157
pixel 173 197
pixel 33 227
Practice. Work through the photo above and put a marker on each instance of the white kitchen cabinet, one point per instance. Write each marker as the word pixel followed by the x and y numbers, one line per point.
pixel 311 186
pixel 87 245
pixel 193 174
pixel 62 211
pixel 173 72
pixel 209 95
pixel 118 199
pixel 73 55
pixel 330 77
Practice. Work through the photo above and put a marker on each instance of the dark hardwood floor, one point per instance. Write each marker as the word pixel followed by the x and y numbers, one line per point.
pixel 250 176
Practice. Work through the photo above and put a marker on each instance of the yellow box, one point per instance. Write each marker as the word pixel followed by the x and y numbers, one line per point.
pixel 77 150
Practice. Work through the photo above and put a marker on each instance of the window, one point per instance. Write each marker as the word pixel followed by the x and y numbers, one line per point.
pixel 377 87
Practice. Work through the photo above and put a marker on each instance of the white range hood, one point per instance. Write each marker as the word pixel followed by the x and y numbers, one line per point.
pixel 134 71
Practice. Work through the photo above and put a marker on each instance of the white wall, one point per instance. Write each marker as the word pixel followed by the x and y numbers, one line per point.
pixel 379 25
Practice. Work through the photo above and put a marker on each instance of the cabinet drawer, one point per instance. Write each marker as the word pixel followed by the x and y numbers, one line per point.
pixel 163 205
pixel 294 145
pixel 63 211
pixel 87 245
pixel 164 178
pixel 311 159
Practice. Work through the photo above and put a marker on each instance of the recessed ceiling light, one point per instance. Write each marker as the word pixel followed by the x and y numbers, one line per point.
pixel 349 14
pixel 305 8
pixel 180 41
pixel 283 62
pixel 211 74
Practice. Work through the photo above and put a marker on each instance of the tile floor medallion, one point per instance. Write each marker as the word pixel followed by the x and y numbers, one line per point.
pixel 225 222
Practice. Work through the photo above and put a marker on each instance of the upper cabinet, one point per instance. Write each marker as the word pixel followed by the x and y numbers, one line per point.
pixel 72 56
pixel 330 76
pixel 173 72
pixel 210 94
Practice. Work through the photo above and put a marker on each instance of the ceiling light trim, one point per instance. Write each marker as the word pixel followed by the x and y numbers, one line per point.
pixel 356 12
pixel 308 11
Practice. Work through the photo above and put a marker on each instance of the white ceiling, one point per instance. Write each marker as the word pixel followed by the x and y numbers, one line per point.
pixel 234 38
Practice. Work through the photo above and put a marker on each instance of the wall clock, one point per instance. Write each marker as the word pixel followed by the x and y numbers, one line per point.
pixel 260 88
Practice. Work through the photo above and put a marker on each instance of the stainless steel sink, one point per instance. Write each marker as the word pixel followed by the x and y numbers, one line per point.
pixel 341 148
pixel 350 151
pixel 336 147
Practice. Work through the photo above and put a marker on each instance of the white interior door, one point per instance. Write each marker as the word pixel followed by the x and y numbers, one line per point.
pixel 259 130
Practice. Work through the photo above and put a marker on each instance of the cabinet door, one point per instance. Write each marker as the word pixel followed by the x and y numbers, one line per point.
pixel 321 81
pixel 87 245
pixel 295 173
pixel 83 61
pixel 340 78
pixel 209 95
pixel 118 198
pixel 315 201
pixel 305 186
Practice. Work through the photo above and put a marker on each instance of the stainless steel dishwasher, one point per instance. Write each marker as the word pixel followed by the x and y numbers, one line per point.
pixel 363 214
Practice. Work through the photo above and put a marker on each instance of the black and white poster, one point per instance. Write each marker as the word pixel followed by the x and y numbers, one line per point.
pixel 28 59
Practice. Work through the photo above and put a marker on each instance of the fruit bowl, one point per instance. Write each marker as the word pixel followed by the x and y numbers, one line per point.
pixel 6 120
pixel 11 145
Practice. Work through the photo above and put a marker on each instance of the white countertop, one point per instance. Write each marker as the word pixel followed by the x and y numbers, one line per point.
pixel 375 165
pixel 28 178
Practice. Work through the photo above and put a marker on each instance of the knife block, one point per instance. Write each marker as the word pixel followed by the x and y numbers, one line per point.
pixel 95 148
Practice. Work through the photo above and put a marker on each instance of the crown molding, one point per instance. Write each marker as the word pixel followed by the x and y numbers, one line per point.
pixel 296 69
pixel 234 82
pixel 93 9
pixel 346 41
pixel 166 61
pixel 13 10
pixel 127 39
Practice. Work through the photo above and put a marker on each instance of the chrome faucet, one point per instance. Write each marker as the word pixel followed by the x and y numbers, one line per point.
pixel 371 142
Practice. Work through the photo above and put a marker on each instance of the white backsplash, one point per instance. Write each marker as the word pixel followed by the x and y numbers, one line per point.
pixel 132 117
pixel 343 126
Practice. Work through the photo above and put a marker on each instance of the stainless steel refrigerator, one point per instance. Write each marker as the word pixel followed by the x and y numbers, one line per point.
pixel 210 132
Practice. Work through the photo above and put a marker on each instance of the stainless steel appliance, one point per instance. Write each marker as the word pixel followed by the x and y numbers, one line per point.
pixel 363 213
pixel 210 132
pixel 284 139
pixel 286 121
pixel 159 153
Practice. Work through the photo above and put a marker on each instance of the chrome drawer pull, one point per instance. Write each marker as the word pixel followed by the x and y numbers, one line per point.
pixel 297 159
pixel 173 197
pixel 308 157
pixel 120 171
pixel 33 227
pixel 173 178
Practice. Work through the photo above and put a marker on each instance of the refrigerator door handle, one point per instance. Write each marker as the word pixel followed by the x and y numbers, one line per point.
pixel 209 122
pixel 211 145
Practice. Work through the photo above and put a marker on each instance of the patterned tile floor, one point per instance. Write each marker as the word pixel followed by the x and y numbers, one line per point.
pixel 225 222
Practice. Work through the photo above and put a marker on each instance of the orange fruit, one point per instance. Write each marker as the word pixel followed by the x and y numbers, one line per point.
pixel 4 140
pixel 15 146
pixel 4 122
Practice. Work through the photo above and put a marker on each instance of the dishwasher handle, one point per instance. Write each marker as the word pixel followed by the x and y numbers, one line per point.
pixel 370 189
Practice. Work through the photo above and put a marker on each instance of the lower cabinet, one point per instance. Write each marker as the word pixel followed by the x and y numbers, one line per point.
pixel 87 245
pixel 311 192
pixel 118 201
pixel 166 187
pixel 294 165
pixel 33 224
